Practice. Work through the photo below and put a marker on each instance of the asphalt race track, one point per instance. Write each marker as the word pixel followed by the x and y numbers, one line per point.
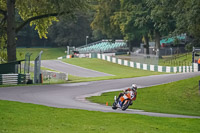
pixel 73 95
pixel 72 69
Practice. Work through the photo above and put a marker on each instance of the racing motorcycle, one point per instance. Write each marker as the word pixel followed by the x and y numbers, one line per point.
pixel 124 101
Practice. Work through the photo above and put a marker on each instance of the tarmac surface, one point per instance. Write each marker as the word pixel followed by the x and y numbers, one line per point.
pixel 72 69
pixel 73 95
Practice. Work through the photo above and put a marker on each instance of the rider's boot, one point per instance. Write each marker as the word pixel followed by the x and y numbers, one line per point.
pixel 117 100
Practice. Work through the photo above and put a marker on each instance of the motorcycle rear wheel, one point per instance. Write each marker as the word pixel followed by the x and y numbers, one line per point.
pixel 114 106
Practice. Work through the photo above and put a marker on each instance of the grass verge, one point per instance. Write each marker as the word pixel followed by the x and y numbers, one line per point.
pixel 184 59
pixel 176 60
pixel 179 97
pixel 119 71
pixel 18 117
pixel 48 53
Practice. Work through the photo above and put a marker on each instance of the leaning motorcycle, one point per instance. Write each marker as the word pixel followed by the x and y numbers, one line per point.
pixel 124 101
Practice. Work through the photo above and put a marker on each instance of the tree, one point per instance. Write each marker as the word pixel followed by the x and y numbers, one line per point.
pixel 104 18
pixel 187 19
pixel 136 20
pixel 39 13
pixel 28 37
pixel 131 33
pixel 160 14
pixel 11 47
pixel 71 33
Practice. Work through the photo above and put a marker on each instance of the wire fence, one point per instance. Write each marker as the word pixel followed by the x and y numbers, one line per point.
pixel 144 58
pixel 176 63
pixel 177 60
pixel 174 56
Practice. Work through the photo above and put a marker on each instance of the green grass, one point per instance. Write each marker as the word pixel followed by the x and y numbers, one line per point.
pixel 119 71
pixel 18 117
pixel 54 53
pixel 48 53
pixel 179 97
pixel 176 60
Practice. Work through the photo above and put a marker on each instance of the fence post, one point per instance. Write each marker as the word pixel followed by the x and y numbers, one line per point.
pixel 37 72
pixel 1 79
pixel 19 79
pixel 193 54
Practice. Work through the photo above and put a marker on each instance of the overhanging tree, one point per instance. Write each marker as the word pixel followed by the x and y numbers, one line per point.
pixel 39 13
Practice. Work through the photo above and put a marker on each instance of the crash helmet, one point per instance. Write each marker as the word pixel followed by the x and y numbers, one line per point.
pixel 134 87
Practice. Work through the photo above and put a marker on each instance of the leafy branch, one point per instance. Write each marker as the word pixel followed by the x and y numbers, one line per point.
pixel 4 18
pixel 36 18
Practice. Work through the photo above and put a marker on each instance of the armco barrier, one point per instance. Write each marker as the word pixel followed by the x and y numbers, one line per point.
pixel 55 75
pixel 167 69
pixel 14 79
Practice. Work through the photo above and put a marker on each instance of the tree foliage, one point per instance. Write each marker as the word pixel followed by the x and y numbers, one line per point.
pixel 134 22
pixel 40 13
pixel 71 33
pixel 155 18
pixel 128 19
pixel 187 16
pixel 104 18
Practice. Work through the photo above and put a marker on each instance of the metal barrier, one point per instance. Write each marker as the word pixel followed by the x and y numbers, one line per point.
pixel 144 58
pixel 37 72
pixel 54 75
pixel 14 79
pixel 150 67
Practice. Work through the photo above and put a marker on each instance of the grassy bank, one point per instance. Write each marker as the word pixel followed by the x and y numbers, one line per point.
pixel 176 60
pixel 18 117
pixel 118 71
pixel 48 53
pixel 179 97
pixel 54 53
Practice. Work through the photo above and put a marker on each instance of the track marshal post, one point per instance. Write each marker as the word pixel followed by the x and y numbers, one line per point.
pixel 37 71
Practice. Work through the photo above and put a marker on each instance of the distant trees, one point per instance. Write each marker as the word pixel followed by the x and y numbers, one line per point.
pixel 139 19
pixel 71 32
pixel 134 23
pixel 187 16
pixel 104 19
pixel 70 24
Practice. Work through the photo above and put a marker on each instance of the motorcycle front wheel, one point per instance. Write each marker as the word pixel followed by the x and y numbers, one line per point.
pixel 125 105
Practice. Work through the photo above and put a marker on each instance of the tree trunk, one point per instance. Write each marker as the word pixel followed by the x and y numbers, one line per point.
pixel 147 43
pixel 130 46
pixel 157 42
pixel 134 43
pixel 11 43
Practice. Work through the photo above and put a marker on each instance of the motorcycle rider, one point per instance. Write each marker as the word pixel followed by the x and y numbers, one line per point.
pixel 133 88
